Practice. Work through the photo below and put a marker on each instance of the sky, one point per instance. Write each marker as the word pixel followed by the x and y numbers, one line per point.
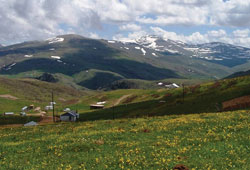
pixel 190 21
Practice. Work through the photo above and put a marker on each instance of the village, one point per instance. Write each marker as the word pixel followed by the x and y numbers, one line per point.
pixel 48 115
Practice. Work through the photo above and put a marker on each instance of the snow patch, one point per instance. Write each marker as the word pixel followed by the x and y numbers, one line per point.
pixel 111 41
pixel 55 40
pixel 172 51
pixel 28 56
pixel 138 48
pixel 143 51
pixel 154 55
pixel 126 48
pixel 56 57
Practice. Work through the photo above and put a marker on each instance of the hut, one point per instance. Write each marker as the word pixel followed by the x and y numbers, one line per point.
pixel 8 113
pixel 32 123
pixel 96 106
pixel 70 116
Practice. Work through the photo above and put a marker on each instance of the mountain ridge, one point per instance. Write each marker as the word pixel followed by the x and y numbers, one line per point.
pixel 69 55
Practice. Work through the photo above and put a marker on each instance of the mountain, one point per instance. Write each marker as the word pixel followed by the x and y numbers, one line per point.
pixel 96 64
pixel 220 53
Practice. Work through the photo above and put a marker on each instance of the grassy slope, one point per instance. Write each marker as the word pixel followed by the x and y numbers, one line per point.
pixel 200 98
pixel 199 141
pixel 35 92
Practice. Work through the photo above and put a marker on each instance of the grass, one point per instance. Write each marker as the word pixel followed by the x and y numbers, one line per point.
pixel 199 141
pixel 197 99
pixel 15 119
pixel 29 91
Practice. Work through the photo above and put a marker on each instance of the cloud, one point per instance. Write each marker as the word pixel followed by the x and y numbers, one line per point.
pixel 238 37
pixel 94 35
pixel 23 20
pixel 130 27
pixel 241 33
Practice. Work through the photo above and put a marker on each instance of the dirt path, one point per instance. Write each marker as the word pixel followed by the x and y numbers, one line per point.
pixel 122 98
pixel 8 96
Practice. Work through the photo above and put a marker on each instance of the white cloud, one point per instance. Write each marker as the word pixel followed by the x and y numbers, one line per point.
pixel 241 33
pixel 36 19
pixel 130 27
pixel 94 35
pixel 238 37
pixel 131 36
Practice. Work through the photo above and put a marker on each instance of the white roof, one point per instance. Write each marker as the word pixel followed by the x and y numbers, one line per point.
pixel 9 113
pixel 175 85
pixel 32 123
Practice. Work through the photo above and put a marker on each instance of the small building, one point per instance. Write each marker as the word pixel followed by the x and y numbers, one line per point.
pixel 8 113
pixel 32 123
pixel 48 108
pixel 22 114
pixel 96 106
pixel 24 108
pixel 172 86
pixel 70 116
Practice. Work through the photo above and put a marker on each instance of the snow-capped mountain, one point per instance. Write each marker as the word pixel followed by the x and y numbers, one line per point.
pixel 106 61
pixel 215 52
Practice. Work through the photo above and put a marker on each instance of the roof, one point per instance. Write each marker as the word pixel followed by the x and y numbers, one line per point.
pixel 9 113
pixel 96 105
pixel 70 113
pixel 32 123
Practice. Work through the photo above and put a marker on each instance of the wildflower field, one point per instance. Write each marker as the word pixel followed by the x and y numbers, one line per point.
pixel 199 141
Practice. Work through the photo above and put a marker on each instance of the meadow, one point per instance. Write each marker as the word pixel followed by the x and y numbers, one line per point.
pixel 199 141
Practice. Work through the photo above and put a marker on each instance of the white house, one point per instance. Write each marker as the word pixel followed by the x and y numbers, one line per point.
pixel 172 86
pixel 70 116
pixel 8 113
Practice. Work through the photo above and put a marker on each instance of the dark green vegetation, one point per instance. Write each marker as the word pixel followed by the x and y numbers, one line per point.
pixel 8 120
pixel 47 77
pixel 239 74
pixel 199 141
pixel 98 64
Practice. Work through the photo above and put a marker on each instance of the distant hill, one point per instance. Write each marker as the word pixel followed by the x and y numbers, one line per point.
pixel 239 74
pixel 95 64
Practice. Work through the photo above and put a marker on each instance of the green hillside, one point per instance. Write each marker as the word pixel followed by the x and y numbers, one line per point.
pixel 208 97
pixel 17 93
pixel 198 141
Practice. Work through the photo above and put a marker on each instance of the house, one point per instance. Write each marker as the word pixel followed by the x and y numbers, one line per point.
pixel 8 113
pixel 96 106
pixel 48 108
pixel 24 108
pixel 32 123
pixel 70 116
pixel 172 86
pixel 22 114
